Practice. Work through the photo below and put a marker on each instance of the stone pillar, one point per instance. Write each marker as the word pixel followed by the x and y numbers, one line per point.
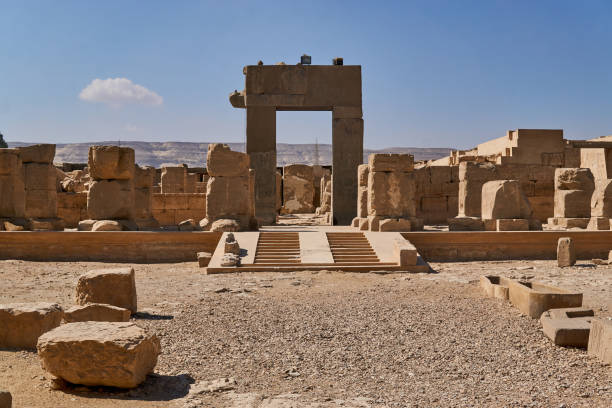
pixel 261 148
pixel 173 179
pixel 347 155
pixel 12 192
pixel 40 181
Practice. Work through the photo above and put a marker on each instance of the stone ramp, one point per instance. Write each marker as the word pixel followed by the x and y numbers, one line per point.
pixel 286 251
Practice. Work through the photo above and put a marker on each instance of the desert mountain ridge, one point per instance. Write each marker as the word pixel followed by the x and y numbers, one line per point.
pixel 159 154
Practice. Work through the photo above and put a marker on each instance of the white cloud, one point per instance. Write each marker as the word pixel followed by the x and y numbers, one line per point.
pixel 119 91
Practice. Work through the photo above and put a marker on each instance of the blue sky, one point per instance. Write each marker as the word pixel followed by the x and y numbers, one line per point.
pixel 435 73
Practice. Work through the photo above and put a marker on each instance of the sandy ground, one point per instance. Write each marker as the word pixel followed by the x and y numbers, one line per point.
pixel 329 339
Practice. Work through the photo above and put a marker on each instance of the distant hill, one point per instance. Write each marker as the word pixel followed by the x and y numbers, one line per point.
pixel 159 154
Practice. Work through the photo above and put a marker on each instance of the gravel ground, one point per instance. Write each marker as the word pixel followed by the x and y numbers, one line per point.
pixel 330 339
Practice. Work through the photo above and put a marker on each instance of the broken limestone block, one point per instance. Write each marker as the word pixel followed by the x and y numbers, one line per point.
pixel 405 252
pixel 495 287
pixel 9 226
pixel 362 175
pixel 228 197
pixel 115 287
pixel 574 179
pixel 230 260
pixel 391 194
pixel 22 323
pixel 570 312
pixel 96 312
pixel 204 259
pixel 568 223
pixel 222 161
pixel 111 163
pixel 108 200
pixel 106 225
pixel 40 153
pixel 566 253
pixel 566 332
pixel 364 224
pixel 599 224
pixel 10 162
pixel 504 199
pixel 144 177
pixel 600 340
pixel 516 224
pixel 225 225
pixel 187 225
pixel 395 162
pixel 298 189
pixel 86 225
pixel 99 353
pixel 6 400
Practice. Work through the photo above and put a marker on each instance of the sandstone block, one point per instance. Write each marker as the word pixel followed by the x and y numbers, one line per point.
pixel 599 224
pixel 143 204
pixel 568 223
pixel 362 173
pixel 391 194
pixel 227 197
pixel 9 226
pixel 99 353
pixel 96 312
pixel 395 224
pixel 106 225
pixel 391 162
pixel 144 177
pixel 600 340
pixel 572 204
pixel 173 180
pixel 465 224
pixel 512 224
pixel 6 400
pixel 374 222
pixel 111 163
pixel 405 252
pixel 566 332
pixel 225 225
pixel 504 199
pixel 355 222
pixel 222 161
pixel 110 199
pixel 10 162
pixel 22 323
pixel 40 153
pixel 204 259
pixel 39 176
pixel 574 179
pixel 601 200
pixel 41 203
pixel 116 287
pixel 566 253
pixel 12 196
pixel 86 225
pixel 187 225
pixel 364 224
pixel 495 287
pixel 362 202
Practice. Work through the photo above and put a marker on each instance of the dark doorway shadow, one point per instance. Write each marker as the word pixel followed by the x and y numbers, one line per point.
pixel 149 316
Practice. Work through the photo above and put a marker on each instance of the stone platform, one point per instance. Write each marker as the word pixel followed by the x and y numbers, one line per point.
pixel 287 250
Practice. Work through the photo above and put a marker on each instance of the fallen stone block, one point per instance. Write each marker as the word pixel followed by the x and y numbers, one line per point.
pixel 225 225
pixel 563 223
pixel 96 312
pixel 110 200
pixel 600 340
pixel 566 332
pixel 115 287
pixel 6 400
pixel 99 353
pixel 570 312
pixel 231 245
pixel 230 260
pixel 533 298
pixel 566 253
pixel 86 225
pixel 9 226
pixel 395 225
pixel 495 287
pixel 21 324
pixel 106 225
pixel 204 259
pixel 187 225
pixel 516 224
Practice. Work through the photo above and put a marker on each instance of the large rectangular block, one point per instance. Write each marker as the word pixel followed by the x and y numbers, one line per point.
pixel 39 176
pixel 41 203
pixel 405 252
pixel 173 180
pixel 600 340
pixel 572 204
pixel 107 200
pixel 143 203
pixel 111 163
pixel 40 153
pixel 533 298
pixel 10 162
pixel 391 162
pixel 222 161
pixel 144 177
pixel 362 202
pixel 391 194
pixel 12 196
pixel 227 197
pixel 514 224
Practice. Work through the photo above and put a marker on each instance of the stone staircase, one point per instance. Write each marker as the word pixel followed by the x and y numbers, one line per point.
pixel 278 249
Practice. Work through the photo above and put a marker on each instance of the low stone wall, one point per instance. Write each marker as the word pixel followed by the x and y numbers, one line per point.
pixel 171 209
pixel 139 247
pixel 477 245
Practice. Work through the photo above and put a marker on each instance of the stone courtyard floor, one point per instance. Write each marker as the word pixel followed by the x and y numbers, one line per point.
pixel 329 339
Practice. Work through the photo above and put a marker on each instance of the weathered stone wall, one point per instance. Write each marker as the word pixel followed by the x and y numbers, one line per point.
pixel 173 180
pixel 12 189
pixel 298 189
pixel 437 192
pixel 40 181
pixel 171 209
pixel 72 208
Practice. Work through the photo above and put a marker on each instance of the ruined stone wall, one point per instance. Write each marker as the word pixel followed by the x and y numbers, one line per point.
pixel 72 208
pixel 537 182
pixel 437 191
pixel 40 181
pixel 171 209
